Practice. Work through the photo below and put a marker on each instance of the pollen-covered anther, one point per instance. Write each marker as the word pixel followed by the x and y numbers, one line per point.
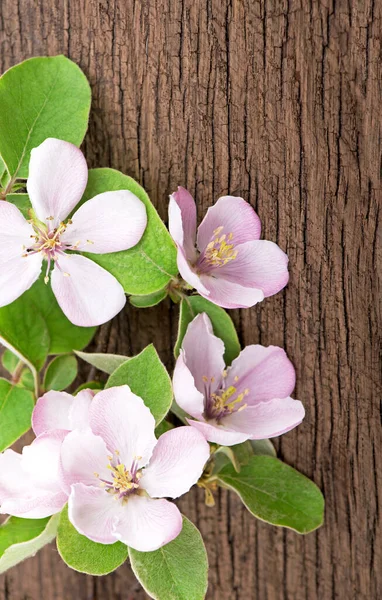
pixel 220 251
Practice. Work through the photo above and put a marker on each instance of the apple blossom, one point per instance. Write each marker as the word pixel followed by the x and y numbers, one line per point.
pixel 249 400
pixel 110 222
pixel 117 474
pixel 224 260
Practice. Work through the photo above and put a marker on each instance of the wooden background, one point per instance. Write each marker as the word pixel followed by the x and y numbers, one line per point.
pixel 277 101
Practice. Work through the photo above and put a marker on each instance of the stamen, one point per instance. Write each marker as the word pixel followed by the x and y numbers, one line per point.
pixel 219 250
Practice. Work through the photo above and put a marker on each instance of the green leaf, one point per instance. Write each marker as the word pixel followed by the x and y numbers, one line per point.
pixel 2 168
pixel 263 447
pixel 148 301
pixel 23 330
pixel 147 377
pixel 149 266
pixel 221 322
pixel 22 538
pixel 41 98
pixel 64 336
pixel 238 455
pixel 22 202
pixel 276 493
pixel 16 406
pixel 177 571
pixel 27 380
pixel 90 385
pixel 9 361
pixel 60 372
pixel 163 427
pixel 107 363
pixel 85 556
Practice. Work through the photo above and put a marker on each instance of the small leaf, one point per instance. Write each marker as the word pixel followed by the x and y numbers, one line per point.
pixel 177 571
pixel 26 379
pixel 2 168
pixel 41 98
pixel 9 361
pixel 64 336
pixel 22 538
pixel 23 330
pixel 221 322
pixel 147 377
pixel 238 455
pixel 85 556
pixel 263 447
pixel 16 406
pixel 90 385
pixel 276 493
pixel 60 373
pixel 22 202
pixel 148 301
pixel 107 363
pixel 149 266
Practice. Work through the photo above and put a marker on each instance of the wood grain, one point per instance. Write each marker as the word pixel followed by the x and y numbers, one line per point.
pixel 278 101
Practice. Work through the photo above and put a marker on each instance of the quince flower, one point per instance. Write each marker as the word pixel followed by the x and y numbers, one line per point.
pixel 110 222
pixel 224 260
pixel 249 400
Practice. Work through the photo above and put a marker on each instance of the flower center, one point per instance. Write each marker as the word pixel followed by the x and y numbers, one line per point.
pixel 48 243
pixel 224 402
pixel 123 482
pixel 220 249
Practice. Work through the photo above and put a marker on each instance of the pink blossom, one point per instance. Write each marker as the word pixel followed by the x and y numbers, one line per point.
pixel 224 260
pixel 31 482
pixel 249 400
pixel 117 474
pixel 109 222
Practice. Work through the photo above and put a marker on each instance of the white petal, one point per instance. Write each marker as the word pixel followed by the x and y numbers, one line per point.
pixel 148 524
pixel 84 458
pixel 125 423
pixel 218 434
pixel 58 175
pixel 52 412
pixel 93 512
pixel 109 222
pixel 185 392
pixel 87 294
pixel 176 464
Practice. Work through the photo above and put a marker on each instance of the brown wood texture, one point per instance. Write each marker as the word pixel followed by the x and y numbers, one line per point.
pixel 278 101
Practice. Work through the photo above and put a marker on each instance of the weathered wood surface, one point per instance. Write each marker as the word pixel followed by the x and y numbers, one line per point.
pixel 279 102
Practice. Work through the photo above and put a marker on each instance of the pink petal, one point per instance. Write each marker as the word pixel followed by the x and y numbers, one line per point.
pixel 109 222
pixel 94 513
pixel 268 419
pixel 29 483
pixel 124 423
pixel 182 221
pixel 188 274
pixel 59 410
pixel 235 215
pixel 185 392
pixel 266 372
pixel 17 272
pixel 259 264
pixel 218 434
pixel 58 176
pixel 228 294
pixel 203 354
pixel 176 464
pixel 84 458
pixel 87 294
pixel 148 524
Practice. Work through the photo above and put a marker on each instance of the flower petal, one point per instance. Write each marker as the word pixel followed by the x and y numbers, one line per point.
pixel 29 483
pixel 203 354
pixel 79 410
pixel 235 215
pixel 93 512
pixel 148 524
pixel 109 222
pixel 59 410
pixel 17 272
pixel 268 419
pixel 58 175
pixel 182 221
pixel 87 294
pixel 218 434
pixel 185 391
pixel 189 274
pixel 176 464
pixel 229 294
pixel 124 423
pixel 266 372
pixel 259 264
pixel 84 458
